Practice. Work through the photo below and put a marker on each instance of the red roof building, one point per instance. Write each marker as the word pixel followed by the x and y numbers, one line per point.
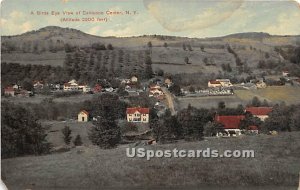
pixel 260 112
pixel 10 91
pixel 138 114
pixel 230 121
pixel 137 109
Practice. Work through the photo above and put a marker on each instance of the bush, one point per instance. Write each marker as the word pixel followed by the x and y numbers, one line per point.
pixel 77 141
pixel 66 131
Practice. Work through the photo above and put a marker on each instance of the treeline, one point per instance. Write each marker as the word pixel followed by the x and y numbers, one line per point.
pixel 15 73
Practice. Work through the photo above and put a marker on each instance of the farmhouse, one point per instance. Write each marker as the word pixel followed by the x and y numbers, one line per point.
pixel 137 114
pixel 71 86
pixel 231 124
pixel 134 79
pixel 261 84
pixel 83 116
pixel 84 88
pixel 214 84
pixel 38 85
pixel 9 91
pixel 261 112
pixel 285 73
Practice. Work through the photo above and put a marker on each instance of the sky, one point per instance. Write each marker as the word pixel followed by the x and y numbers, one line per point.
pixel 190 18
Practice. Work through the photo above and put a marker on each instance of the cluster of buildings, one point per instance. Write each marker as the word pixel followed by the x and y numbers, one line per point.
pixel 231 123
pixel 156 91
pixel 17 90
pixel 219 83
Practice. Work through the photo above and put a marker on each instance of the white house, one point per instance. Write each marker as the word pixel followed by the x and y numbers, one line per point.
pixel 83 116
pixel 71 86
pixel 214 84
pixel 138 114
pixel 224 82
pixel 134 79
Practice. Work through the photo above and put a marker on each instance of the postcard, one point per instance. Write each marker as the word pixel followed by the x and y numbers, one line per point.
pixel 150 94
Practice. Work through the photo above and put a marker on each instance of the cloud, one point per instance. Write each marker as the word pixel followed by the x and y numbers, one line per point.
pixel 192 15
pixel 16 23
pixel 94 30
pixel 287 23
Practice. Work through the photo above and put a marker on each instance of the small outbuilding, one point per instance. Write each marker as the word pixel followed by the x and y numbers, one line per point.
pixel 83 116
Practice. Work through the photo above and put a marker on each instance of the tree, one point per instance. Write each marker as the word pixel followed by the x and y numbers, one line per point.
pixel 27 85
pixel 149 44
pixel 186 60
pixel 189 47
pixel 267 55
pixel 255 102
pixel 167 128
pixel 105 133
pixel 192 89
pixel 66 131
pixel 165 45
pixel 175 89
pixel 221 105
pixel 148 60
pixel 184 47
pixel 202 48
pixel 110 47
pixel 205 60
pixel 77 141
pixel 250 120
pixel 21 133
pixel 192 121
pixel 212 128
pixel 279 119
pixel 148 72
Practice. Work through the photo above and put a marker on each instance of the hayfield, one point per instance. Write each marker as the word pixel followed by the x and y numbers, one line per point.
pixel 275 94
pixel 276 166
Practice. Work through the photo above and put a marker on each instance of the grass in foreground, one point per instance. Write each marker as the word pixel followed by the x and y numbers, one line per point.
pixel 277 164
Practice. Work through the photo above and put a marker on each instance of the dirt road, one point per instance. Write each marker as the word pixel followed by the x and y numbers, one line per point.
pixel 169 99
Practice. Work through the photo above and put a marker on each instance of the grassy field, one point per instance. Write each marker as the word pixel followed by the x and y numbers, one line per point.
pixel 210 102
pixel 55 136
pixel 288 94
pixel 53 59
pixel 39 98
pixel 276 166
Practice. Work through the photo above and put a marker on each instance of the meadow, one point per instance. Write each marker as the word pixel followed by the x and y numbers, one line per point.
pixel 276 166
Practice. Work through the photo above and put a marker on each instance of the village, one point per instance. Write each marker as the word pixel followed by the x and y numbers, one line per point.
pixel 158 89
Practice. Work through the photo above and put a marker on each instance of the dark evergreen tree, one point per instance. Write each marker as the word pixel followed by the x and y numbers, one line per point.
pixel 66 131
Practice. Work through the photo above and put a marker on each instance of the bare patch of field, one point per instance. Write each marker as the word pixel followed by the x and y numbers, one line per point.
pixel 276 166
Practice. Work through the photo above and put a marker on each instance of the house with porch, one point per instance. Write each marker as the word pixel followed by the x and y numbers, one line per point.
pixel 138 114
pixel 231 124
